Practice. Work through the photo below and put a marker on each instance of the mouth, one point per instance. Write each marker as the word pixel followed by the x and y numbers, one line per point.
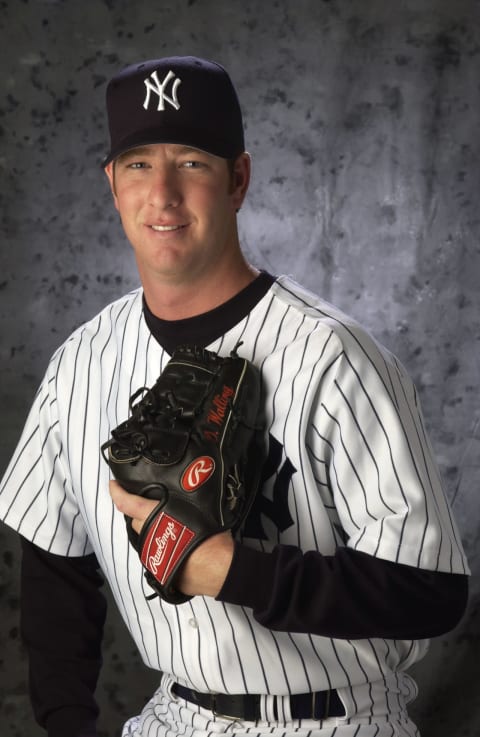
pixel 166 228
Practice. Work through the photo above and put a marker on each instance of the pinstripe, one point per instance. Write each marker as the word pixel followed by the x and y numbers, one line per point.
pixel 316 646
pixel 239 658
pixel 355 337
pixel 264 326
pixel 76 519
pixel 86 406
pixel 131 609
pixel 392 459
pixel 23 481
pixel 368 708
pixel 182 634
pixel 34 536
pixel 203 659
pixel 344 496
pixel 130 552
pixel 304 411
pixel 265 683
pixel 368 448
pixel 101 356
pixel 350 460
pixel 396 403
pixel 380 422
pixel 240 661
pixel 295 646
pixel 362 440
pixel 52 475
pixel 389 693
pixel 423 443
pixel 281 370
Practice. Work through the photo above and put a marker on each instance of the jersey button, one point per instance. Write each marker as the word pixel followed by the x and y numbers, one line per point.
pixel 193 623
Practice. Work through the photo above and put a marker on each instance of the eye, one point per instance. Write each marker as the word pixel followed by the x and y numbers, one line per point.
pixel 193 164
pixel 136 165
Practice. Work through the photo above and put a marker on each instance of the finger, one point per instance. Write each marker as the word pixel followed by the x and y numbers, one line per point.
pixel 134 506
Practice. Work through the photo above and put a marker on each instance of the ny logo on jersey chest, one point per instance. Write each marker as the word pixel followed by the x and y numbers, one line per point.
pixel 155 87
pixel 276 509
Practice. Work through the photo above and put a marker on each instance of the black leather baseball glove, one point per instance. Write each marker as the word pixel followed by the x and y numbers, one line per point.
pixel 195 443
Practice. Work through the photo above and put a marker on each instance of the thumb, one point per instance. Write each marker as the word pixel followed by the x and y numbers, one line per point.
pixel 134 506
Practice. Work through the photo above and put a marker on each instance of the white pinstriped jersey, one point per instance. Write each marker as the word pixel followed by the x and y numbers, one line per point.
pixel 361 474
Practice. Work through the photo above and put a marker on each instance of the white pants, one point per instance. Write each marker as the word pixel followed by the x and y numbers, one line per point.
pixel 166 715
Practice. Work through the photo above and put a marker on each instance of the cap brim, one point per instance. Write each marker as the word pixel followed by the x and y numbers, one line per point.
pixel 199 140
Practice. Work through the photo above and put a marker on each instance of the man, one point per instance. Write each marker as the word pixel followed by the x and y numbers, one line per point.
pixel 349 560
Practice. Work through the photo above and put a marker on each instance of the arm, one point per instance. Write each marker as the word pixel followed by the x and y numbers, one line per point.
pixel 63 614
pixel 346 595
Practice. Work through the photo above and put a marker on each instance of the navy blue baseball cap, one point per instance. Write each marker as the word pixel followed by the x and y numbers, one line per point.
pixel 178 99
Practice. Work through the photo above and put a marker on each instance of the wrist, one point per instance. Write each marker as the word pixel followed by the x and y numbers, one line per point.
pixel 206 568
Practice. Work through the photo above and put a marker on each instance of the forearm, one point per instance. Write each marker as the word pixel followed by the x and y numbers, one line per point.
pixel 62 618
pixel 349 595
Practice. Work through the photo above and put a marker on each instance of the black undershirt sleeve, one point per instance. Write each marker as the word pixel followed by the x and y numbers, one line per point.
pixel 349 595
pixel 62 618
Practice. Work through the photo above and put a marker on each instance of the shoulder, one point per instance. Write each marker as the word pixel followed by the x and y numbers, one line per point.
pixel 319 316
pixel 112 321
pixel 336 348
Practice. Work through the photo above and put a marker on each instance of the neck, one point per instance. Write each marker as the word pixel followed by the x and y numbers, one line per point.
pixel 179 301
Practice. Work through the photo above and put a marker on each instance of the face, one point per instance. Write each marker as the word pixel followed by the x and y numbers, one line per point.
pixel 178 209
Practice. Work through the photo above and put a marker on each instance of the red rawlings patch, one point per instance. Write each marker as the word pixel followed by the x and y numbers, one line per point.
pixel 166 541
pixel 197 472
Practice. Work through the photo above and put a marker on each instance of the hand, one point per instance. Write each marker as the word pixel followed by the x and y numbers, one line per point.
pixel 134 506
pixel 204 571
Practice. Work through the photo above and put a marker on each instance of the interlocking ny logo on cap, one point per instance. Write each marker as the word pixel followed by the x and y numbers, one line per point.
pixel 153 85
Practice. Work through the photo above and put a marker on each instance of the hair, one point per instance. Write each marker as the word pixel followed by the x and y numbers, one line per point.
pixel 231 173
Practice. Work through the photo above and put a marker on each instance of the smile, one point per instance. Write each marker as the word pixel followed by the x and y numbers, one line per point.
pixel 166 228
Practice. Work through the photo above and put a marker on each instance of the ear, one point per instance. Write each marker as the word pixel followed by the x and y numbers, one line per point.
pixel 110 172
pixel 241 179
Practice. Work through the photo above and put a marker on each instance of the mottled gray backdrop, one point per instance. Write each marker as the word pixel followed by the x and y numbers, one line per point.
pixel 363 122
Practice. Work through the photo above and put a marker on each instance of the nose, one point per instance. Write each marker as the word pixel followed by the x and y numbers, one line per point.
pixel 164 189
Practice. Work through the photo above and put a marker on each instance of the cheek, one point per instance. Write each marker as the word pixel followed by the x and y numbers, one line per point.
pixel 127 203
pixel 214 203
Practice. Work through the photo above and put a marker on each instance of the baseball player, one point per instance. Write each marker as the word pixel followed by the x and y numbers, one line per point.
pixel 306 620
